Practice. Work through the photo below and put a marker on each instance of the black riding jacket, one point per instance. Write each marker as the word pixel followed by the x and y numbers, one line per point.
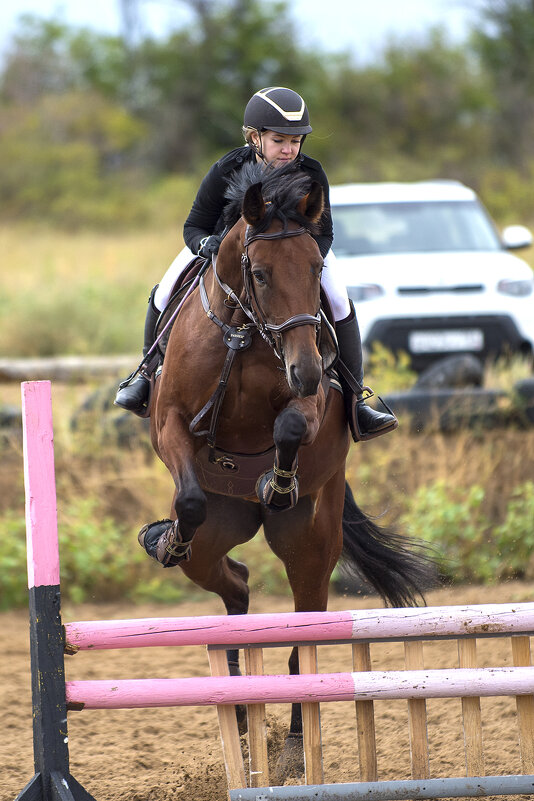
pixel 206 215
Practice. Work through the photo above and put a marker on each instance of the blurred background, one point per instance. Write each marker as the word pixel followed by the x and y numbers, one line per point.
pixel 109 110
pixel 111 113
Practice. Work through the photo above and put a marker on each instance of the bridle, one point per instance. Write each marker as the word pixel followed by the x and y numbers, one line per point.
pixel 250 305
pixel 238 338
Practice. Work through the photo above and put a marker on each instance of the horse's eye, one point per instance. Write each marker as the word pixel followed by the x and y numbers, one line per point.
pixel 258 277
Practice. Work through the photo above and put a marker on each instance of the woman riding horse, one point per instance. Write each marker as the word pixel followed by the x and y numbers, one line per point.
pixel 276 123
pixel 250 421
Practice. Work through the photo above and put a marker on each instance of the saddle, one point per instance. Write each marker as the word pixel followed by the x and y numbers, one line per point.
pixel 151 365
pixel 182 284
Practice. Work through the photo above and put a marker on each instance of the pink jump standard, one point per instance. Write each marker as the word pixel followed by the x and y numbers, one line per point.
pixel 52 780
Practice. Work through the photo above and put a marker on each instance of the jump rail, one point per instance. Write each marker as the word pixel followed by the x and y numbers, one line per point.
pixel 365 625
pixel 231 690
pixel 52 696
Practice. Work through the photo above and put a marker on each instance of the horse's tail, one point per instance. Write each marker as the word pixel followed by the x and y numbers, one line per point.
pixel 399 574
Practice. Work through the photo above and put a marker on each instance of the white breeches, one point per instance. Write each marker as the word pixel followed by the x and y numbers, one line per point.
pixel 333 286
pixel 163 292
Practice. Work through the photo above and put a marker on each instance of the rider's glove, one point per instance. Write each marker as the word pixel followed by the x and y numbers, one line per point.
pixel 209 245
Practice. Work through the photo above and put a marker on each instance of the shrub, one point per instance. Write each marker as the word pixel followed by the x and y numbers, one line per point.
pixel 100 560
pixel 514 539
pixel 453 522
pixel 13 560
pixel 390 371
pixel 469 549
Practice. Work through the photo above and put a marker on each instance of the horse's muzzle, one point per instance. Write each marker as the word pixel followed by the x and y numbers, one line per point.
pixel 304 379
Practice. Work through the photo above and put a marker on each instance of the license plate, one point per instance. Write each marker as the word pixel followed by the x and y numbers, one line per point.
pixel 465 339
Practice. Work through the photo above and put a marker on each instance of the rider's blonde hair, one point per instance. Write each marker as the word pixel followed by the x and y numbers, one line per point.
pixel 247 133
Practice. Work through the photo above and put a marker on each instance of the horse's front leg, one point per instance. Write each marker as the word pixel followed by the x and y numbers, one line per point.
pixel 169 540
pixel 296 425
pixel 277 489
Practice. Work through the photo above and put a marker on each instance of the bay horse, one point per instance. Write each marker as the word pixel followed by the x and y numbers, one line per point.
pixel 246 358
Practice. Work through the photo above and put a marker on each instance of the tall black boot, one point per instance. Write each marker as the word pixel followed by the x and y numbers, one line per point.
pixel 133 393
pixel 365 422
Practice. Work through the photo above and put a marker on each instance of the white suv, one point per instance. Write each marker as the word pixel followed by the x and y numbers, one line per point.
pixel 428 272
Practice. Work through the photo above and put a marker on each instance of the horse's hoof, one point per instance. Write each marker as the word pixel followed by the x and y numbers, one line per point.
pixel 290 764
pixel 271 498
pixel 242 720
pixel 161 540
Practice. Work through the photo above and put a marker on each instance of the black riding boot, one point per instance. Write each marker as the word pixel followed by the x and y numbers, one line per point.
pixel 134 391
pixel 365 422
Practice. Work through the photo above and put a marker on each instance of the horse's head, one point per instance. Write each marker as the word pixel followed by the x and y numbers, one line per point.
pixel 281 266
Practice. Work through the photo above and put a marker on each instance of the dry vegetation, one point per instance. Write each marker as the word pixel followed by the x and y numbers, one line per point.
pixel 86 293
pixel 106 491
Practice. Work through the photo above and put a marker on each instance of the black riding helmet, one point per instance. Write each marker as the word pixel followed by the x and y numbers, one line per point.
pixel 278 109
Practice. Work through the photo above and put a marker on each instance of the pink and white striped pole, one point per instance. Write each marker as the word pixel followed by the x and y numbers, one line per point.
pixel 475 620
pixel 315 687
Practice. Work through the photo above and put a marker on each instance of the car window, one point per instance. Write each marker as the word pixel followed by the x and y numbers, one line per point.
pixel 422 227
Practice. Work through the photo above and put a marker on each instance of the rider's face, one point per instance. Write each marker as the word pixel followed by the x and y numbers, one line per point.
pixel 278 149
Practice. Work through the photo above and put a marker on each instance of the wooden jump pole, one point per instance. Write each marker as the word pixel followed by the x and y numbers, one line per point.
pixel 309 688
pixel 361 625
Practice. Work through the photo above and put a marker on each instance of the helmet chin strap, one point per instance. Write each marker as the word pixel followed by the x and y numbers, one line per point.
pixel 258 149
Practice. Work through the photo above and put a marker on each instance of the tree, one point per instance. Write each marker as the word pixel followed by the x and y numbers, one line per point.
pixel 505 44
pixel 61 157
pixel 420 113
pixel 202 78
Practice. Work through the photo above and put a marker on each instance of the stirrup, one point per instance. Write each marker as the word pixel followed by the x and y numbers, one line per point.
pixel 144 406
pixel 362 436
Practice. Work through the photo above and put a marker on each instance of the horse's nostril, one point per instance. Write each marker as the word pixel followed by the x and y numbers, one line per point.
pixel 304 382
pixel 295 378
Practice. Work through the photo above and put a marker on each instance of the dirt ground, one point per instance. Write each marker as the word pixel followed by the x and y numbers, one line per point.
pixel 174 754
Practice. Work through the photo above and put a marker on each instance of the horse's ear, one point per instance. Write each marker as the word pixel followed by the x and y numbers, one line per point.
pixel 312 204
pixel 253 205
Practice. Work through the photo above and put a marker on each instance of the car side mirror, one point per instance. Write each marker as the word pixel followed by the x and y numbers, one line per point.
pixel 514 237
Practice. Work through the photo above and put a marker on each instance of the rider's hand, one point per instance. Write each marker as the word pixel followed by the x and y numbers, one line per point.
pixel 209 245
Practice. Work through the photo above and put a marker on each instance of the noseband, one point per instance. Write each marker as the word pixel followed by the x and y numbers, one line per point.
pixel 270 332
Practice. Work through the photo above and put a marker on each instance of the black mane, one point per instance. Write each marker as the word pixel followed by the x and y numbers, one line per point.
pixel 283 187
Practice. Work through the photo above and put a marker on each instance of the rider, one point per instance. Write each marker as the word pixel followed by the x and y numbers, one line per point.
pixel 276 123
